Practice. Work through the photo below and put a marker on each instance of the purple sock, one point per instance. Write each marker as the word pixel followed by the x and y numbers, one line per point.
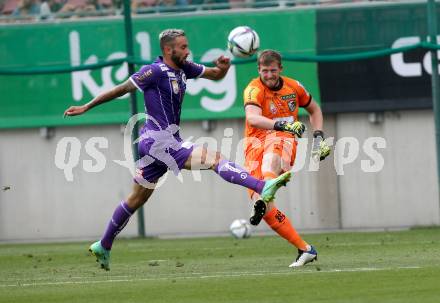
pixel 233 173
pixel 120 218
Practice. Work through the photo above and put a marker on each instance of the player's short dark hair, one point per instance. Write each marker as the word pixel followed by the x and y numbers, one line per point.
pixel 168 36
pixel 268 56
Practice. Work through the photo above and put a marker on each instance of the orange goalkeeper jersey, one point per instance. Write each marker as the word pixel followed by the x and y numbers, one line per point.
pixel 279 105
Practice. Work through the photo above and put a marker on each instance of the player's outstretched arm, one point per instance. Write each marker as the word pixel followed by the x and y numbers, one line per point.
pixel 320 149
pixel 222 65
pixel 117 91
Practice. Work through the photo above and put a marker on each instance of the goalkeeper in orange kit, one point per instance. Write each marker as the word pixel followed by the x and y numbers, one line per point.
pixel 271 103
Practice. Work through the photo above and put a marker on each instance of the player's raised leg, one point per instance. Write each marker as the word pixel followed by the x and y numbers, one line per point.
pixel 121 215
pixel 203 158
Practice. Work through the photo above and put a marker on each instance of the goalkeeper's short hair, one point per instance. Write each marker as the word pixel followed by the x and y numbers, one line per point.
pixel 269 56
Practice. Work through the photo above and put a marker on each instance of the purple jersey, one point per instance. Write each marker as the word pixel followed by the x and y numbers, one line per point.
pixel 164 89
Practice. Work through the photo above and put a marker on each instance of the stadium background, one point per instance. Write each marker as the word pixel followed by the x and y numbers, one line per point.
pixel 361 99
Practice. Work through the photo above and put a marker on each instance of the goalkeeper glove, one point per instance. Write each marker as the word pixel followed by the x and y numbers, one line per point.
pixel 296 128
pixel 320 149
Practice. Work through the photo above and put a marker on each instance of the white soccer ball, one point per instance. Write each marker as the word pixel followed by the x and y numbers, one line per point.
pixel 240 229
pixel 243 41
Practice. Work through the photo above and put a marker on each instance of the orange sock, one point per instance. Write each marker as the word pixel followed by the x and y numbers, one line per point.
pixel 281 224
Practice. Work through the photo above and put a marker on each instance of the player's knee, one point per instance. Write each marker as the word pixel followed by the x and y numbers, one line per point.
pixel 138 198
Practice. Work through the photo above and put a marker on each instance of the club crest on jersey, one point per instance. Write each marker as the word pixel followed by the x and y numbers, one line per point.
pixel 292 105
pixel 175 86
pixel 273 108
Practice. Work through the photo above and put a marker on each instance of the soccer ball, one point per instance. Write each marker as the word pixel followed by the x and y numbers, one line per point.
pixel 243 41
pixel 240 229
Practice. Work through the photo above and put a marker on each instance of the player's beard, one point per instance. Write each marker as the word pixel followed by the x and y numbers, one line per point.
pixel 176 60
pixel 272 83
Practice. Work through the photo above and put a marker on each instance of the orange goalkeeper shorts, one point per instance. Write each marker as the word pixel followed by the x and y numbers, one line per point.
pixel 284 147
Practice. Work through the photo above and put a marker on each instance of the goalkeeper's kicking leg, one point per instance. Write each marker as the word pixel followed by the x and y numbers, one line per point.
pixel 277 220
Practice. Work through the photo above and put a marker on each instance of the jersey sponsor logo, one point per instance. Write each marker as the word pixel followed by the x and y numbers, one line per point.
pixel 288 97
pixel 171 74
pixel 145 75
pixel 175 86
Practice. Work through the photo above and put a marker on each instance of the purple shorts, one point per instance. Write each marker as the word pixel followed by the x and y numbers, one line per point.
pixel 159 156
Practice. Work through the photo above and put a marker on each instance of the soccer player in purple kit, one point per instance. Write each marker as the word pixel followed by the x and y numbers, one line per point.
pixel 163 84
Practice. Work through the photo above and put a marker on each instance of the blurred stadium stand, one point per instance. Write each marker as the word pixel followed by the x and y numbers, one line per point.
pixel 37 10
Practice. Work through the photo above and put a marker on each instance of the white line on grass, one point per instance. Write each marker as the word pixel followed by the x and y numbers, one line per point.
pixel 210 276
pixel 141 247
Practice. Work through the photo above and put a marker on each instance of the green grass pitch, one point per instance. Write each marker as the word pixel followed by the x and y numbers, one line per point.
pixel 400 266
